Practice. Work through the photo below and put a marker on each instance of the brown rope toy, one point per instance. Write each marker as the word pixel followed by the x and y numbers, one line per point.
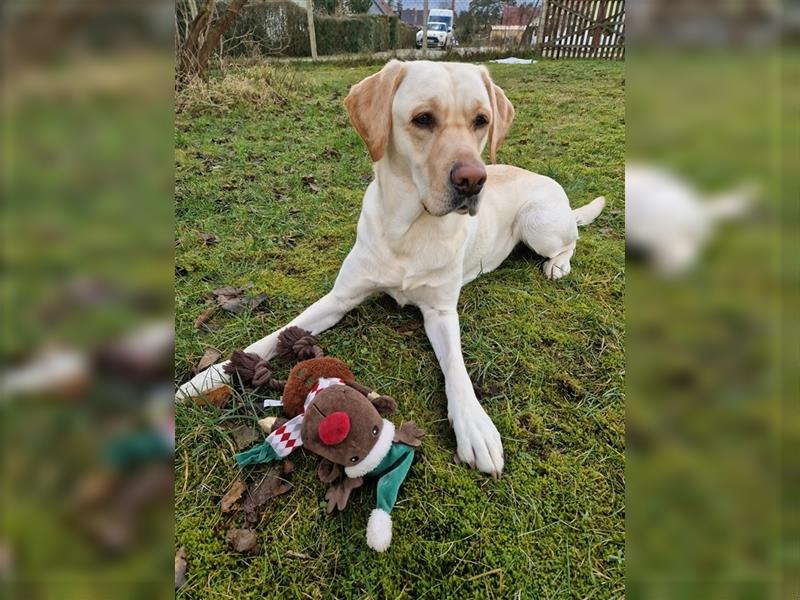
pixel 294 344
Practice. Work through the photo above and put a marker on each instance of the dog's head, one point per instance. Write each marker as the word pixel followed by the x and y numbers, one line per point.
pixel 433 119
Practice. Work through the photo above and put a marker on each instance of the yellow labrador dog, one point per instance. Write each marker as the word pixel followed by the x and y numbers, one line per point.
pixel 434 218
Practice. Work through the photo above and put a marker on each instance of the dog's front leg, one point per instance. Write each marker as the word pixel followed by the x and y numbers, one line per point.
pixel 322 315
pixel 477 439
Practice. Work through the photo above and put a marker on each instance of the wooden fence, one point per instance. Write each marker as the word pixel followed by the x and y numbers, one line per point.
pixel 582 29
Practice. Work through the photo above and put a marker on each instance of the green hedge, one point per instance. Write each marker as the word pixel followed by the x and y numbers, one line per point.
pixel 281 28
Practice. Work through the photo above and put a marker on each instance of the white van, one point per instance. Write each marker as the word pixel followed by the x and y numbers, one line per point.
pixel 442 15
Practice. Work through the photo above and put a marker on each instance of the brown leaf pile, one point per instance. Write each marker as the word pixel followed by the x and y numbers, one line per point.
pixel 251 499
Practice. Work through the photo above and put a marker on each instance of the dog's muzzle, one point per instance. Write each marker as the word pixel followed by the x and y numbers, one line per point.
pixel 466 182
pixel 465 206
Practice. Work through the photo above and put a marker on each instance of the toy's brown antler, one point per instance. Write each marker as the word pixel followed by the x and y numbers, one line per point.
pixel 409 434
pixel 295 344
pixel 253 371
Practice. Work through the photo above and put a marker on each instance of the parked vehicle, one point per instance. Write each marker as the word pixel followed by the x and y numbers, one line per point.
pixel 442 15
pixel 438 36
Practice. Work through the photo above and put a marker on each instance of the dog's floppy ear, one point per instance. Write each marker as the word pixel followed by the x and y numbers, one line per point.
pixel 369 105
pixel 502 114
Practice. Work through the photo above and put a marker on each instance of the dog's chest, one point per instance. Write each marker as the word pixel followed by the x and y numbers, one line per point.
pixel 416 273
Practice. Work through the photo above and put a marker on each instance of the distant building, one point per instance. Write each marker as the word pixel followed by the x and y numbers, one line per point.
pixel 513 25
pixel 412 16
pixel 519 15
pixel 505 35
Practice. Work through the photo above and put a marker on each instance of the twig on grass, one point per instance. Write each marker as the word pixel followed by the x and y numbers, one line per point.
pixel 486 574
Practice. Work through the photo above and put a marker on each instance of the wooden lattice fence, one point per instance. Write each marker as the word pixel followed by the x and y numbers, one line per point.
pixel 582 29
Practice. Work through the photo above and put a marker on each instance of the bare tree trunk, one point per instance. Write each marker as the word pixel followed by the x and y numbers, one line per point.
pixel 215 34
pixel 203 38
pixel 187 59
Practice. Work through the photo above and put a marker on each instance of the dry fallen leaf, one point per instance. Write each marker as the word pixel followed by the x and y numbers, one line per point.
pixel 232 300
pixel 228 290
pixel 311 182
pixel 210 356
pixel 218 396
pixel 408 327
pixel 180 567
pixel 242 540
pixel 205 316
pixel 245 435
pixel 271 485
pixel 228 298
pixel 255 301
pixel 230 500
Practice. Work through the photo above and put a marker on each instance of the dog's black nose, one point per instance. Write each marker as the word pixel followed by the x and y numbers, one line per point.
pixel 468 178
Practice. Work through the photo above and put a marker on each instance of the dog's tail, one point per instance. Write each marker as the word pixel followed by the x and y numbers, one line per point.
pixel 732 205
pixel 589 212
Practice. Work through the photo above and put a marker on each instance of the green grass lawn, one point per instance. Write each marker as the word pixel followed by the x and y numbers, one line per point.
pixel 548 355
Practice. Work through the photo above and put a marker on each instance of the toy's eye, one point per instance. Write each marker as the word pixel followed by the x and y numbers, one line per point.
pixel 354 459
pixel 375 430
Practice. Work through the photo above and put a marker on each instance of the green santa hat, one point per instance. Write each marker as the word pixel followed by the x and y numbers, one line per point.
pixel 390 463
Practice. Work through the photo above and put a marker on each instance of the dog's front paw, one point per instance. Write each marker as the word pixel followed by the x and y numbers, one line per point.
pixel 557 267
pixel 213 377
pixel 478 441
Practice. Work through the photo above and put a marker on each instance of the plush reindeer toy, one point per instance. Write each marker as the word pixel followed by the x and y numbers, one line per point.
pixel 337 418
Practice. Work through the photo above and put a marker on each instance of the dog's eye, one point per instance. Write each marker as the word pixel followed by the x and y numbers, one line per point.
pixel 480 121
pixel 424 120
pixel 375 430
pixel 354 459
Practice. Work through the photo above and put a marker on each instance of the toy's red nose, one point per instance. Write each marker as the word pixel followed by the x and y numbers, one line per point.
pixel 334 428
